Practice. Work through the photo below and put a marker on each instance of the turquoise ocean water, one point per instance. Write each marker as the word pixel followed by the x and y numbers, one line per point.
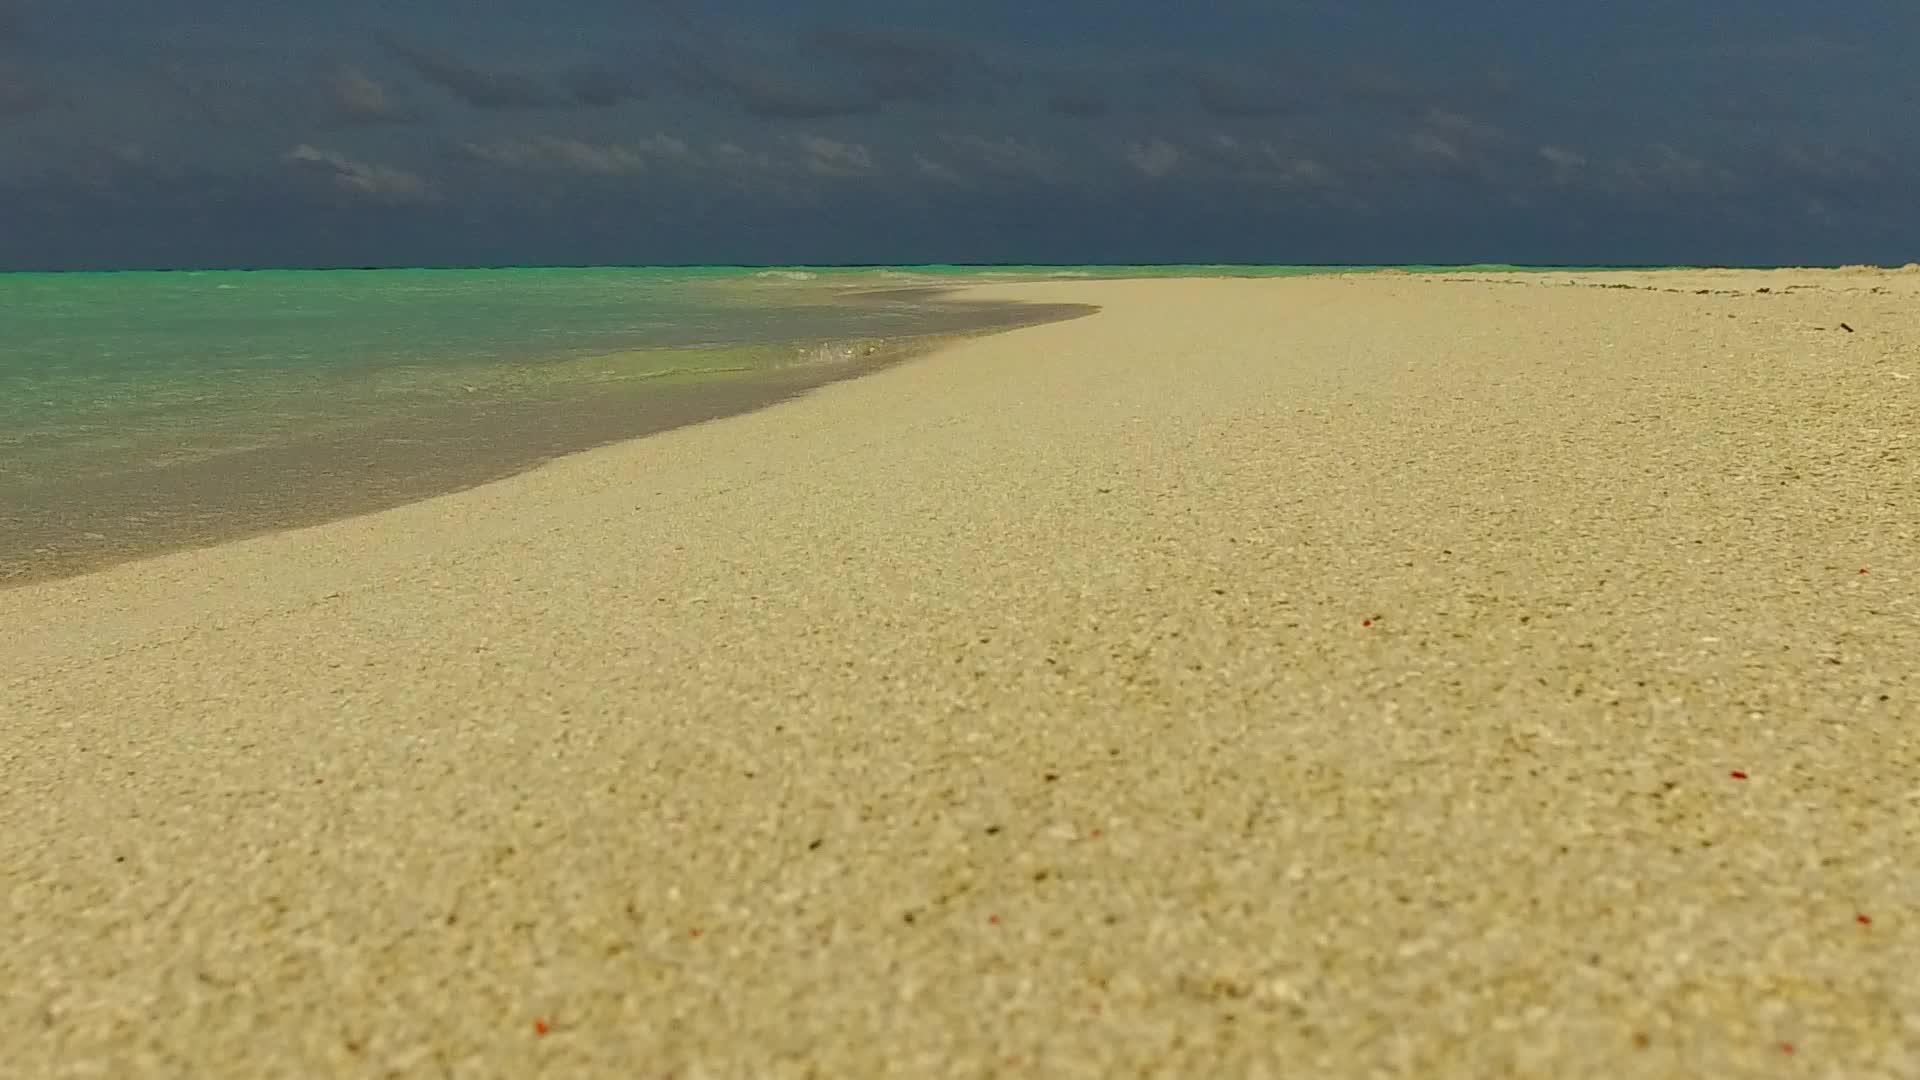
pixel 104 371
pixel 145 411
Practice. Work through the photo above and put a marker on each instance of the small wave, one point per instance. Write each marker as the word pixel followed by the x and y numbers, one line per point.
pixel 787 275
pixel 835 352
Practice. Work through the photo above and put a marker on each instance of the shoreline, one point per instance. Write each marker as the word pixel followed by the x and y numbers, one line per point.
pixel 1334 675
pixel 88 523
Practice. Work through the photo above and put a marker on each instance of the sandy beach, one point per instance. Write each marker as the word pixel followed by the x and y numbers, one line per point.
pixel 1456 675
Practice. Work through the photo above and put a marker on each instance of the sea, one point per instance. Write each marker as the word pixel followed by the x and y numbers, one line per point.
pixel 143 412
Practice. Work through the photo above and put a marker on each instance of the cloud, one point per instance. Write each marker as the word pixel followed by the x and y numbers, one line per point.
pixel 1014 116
pixel 937 171
pixel 759 84
pixel 755 173
pixel 1566 164
pixel 1154 159
pixel 1434 145
pixel 1833 165
pixel 1462 126
pixel 353 98
pixel 1079 87
pixel 603 87
pixel 828 72
pixel 1450 143
pixel 1008 158
pixel 220 91
pixel 726 163
pixel 1664 169
pixel 552 154
pixel 832 158
pixel 666 158
pixel 1308 172
pixel 481 88
pixel 668 149
pixel 1263 163
pixel 734 158
pixel 358 179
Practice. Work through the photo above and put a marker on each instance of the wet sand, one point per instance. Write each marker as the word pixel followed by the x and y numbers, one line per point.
pixel 1459 675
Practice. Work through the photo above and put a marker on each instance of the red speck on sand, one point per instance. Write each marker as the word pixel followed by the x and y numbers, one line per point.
pixel 1863 569
pixel 994 919
pixel 695 932
pixel 540 1027
pixel 1737 775
pixel 1366 622
pixel 1786 1048
pixel 1863 920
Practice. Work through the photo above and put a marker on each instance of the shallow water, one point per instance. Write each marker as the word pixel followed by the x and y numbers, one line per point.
pixel 142 412
pixel 99 372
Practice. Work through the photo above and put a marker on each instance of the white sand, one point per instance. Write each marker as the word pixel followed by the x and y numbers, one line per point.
pixel 1015 712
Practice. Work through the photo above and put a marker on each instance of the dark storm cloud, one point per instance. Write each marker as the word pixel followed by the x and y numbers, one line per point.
pixel 603 86
pixel 590 84
pixel 1269 164
pixel 1004 129
pixel 1012 159
pixel 836 71
pixel 763 83
pixel 208 89
pixel 477 86
pixel 1835 167
pixel 353 98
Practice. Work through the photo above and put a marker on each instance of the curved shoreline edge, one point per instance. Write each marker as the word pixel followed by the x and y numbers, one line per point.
pixel 96 522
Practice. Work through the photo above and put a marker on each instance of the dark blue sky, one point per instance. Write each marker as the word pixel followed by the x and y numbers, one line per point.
pixel 356 132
